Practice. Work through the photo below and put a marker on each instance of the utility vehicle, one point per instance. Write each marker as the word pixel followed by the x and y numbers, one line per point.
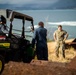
pixel 15 37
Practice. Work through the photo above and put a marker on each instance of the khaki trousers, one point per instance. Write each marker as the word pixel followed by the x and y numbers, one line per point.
pixel 61 45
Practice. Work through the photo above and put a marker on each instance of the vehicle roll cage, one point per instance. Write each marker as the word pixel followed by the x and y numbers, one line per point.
pixel 12 14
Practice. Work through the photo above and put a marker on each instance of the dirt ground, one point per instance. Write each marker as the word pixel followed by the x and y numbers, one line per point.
pixel 55 66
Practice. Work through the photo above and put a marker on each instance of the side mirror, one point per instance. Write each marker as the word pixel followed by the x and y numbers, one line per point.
pixel 2 20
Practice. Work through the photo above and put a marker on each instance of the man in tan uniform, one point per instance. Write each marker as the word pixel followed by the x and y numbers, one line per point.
pixel 60 36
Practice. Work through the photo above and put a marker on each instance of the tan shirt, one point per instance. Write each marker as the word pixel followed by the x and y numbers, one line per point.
pixel 60 35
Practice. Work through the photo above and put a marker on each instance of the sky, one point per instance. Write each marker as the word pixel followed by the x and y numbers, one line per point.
pixel 39 4
pixel 27 1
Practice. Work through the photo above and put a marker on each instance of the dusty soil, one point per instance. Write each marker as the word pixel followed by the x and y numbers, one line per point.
pixel 16 68
pixel 55 66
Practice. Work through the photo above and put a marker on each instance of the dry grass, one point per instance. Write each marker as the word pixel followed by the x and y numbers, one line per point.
pixel 69 53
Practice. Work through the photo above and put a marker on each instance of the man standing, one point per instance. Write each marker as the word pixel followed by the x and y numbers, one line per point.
pixel 60 36
pixel 40 39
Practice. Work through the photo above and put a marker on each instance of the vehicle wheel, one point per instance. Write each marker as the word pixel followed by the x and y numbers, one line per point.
pixel 27 59
pixel 1 64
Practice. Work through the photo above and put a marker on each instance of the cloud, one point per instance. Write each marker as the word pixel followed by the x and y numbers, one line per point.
pixel 14 1
pixel 28 1
pixel 38 4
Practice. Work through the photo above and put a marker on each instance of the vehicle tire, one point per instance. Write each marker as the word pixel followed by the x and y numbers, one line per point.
pixel 26 58
pixel 1 64
pixel 29 54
